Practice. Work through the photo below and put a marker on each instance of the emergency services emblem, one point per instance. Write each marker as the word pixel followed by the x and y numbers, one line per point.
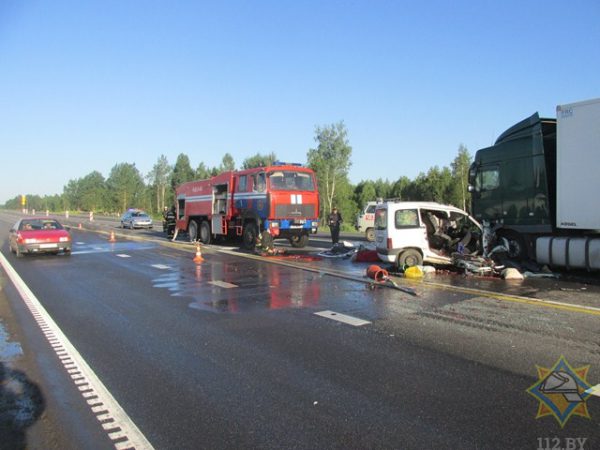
pixel 562 391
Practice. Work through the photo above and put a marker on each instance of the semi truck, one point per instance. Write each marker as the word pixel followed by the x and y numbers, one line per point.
pixel 282 199
pixel 535 188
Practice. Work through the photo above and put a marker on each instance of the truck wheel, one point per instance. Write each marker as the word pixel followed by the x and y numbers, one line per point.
pixel 370 234
pixel 193 231
pixel 409 258
pixel 299 241
pixel 516 244
pixel 205 232
pixel 249 236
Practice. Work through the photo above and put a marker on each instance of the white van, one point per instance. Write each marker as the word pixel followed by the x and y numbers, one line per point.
pixel 410 233
pixel 365 221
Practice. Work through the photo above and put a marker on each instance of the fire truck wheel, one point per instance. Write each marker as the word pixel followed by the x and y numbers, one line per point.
pixel 205 232
pixel 249 236
pixel 193 231
pixel 299 241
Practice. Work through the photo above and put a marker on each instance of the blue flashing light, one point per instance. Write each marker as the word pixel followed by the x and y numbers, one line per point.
pixel 282 163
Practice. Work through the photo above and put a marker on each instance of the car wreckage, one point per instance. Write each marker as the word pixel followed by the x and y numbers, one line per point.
pixel 410 233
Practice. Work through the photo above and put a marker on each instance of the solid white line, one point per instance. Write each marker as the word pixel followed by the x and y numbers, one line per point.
pixel 93 385
pixel 342 318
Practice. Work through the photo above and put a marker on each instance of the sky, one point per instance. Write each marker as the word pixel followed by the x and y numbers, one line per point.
pixel 86 85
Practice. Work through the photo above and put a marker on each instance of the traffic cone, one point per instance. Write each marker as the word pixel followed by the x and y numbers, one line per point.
pixel 112 237
pixel 198 258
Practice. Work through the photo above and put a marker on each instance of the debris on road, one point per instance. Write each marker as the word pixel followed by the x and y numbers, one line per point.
pixel 342 249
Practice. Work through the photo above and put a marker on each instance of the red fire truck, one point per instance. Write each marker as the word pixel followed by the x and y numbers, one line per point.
pixel 281 198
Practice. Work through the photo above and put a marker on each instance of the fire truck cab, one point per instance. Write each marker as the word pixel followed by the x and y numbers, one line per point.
pixel 282 199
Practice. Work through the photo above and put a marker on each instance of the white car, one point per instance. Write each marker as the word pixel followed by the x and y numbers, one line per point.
pixel 135 218
pixel 410 233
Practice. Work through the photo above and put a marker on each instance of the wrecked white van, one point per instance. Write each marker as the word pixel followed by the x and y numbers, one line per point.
pixel 410 233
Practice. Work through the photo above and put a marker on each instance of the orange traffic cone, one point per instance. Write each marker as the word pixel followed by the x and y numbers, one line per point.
pixel 198 258
pixel 112 237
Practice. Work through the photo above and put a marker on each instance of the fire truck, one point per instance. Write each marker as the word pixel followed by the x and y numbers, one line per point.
pixel 282 199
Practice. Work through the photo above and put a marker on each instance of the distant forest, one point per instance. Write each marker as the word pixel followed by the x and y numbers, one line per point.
pixel 126 187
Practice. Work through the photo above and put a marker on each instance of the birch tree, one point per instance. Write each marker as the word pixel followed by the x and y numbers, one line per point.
pixel 331 162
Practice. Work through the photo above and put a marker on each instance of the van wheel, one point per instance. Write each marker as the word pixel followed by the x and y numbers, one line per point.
pixel 205 232
pixel 409 258
pixel 193 231
pixel 370 234
pixel 249 236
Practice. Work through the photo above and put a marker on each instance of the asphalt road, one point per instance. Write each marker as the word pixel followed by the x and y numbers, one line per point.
pixel 230 353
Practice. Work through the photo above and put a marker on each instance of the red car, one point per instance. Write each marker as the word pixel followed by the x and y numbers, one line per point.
pixel 39 235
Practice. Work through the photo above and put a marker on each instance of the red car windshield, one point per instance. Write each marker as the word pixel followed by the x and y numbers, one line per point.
pixel 39 224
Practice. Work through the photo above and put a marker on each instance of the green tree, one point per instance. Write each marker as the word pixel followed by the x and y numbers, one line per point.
pixel 92 190
pixel 125 187
pixel 399 188
pixel 331 162
pixel 259 160
pixel 203 172
pixel 182 171
pixel 159 179
pixel 460 172
pixel 364 192
pixel 227 163
pixel 72 194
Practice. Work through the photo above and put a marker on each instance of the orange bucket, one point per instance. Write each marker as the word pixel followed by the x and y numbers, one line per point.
pixel 377 273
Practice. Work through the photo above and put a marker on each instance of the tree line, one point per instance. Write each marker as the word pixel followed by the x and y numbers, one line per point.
pixel 331 159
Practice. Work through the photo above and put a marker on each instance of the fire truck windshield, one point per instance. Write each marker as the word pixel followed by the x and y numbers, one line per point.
pixel 289 180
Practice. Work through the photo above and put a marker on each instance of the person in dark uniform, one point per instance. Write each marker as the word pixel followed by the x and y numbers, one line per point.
pixel 335 220
pixel 169 219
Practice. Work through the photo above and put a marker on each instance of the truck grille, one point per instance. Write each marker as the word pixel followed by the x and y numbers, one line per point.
pixel 293 211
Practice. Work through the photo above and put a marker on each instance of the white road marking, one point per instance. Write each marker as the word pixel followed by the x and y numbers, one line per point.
pixel 342 318
pixel 594 390
pixel 161 266
pixel 223 284
pixel 123 255
pixel 87 383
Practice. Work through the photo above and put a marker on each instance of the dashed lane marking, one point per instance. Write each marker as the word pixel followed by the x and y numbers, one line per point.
pixel 223 284
pixel 161 266
pixel 118 426
pixel 349 320
pixel 123 255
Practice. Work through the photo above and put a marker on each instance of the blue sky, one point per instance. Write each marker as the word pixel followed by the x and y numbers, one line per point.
pixel 85 85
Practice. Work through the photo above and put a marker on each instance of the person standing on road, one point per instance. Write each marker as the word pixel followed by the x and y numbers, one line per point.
pixel 335 220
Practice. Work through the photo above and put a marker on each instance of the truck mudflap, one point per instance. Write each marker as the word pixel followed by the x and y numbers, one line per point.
pixel 569 252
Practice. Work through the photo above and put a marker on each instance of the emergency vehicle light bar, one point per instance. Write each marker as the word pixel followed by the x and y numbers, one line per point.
pixel 282 163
